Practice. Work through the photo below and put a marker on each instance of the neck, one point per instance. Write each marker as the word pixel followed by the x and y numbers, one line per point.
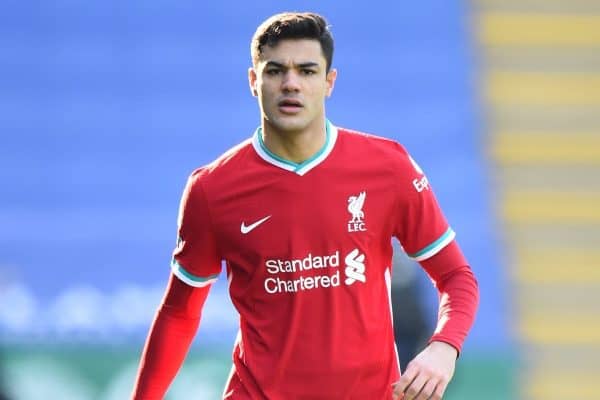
pixel 295 146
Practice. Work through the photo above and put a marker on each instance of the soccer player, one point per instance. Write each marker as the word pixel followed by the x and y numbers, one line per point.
pixel 303 214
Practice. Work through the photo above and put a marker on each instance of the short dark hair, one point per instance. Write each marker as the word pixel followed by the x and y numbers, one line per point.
pixel 293 25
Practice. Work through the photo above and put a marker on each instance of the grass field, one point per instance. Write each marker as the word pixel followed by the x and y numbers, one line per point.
pixel 107 373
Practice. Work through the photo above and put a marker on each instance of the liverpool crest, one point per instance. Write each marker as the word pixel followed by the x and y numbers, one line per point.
pixel 355 208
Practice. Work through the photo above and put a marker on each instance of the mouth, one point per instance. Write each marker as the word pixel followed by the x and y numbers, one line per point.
pixel 290 105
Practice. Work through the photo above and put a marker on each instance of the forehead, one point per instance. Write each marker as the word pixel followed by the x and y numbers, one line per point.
pixel 293 51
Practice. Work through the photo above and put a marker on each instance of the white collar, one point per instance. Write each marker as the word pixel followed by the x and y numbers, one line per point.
pixel 302 168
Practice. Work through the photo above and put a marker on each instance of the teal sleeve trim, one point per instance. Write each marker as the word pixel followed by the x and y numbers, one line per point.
pixel 189 278
pixel 434 247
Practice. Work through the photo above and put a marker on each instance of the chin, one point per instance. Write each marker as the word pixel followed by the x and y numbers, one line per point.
pixel 289 123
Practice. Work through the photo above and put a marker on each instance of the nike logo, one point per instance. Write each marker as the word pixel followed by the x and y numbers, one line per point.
pixel 245 229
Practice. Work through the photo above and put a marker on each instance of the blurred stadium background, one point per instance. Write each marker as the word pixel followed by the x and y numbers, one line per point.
pixel 105 108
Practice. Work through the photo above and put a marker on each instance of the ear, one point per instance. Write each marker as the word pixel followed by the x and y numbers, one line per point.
pixel 252 81
pixel 330 79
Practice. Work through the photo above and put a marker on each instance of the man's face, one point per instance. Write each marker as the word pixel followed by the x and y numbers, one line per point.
pixel 291 84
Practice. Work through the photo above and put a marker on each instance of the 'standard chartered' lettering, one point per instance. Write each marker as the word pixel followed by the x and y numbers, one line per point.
pixel 309 262
pixel 282 269
pixel 278 285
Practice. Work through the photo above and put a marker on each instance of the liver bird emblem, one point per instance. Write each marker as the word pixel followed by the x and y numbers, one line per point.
pixel 355 205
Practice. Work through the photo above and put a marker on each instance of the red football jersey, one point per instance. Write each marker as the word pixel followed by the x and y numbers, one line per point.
pixel 308 254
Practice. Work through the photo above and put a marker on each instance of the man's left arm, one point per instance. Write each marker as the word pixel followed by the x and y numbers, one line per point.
pixel 428 374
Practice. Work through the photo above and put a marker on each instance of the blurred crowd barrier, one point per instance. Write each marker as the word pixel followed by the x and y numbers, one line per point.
pixel 542 88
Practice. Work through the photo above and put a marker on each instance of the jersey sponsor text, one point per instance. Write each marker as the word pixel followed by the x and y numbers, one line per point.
pixel 280 270
pixel 275 266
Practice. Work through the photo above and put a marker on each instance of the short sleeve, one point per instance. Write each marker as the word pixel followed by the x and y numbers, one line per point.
pixel 420 226
pixel 196 259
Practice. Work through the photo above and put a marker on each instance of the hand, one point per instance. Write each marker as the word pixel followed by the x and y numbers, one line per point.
pixel 428 374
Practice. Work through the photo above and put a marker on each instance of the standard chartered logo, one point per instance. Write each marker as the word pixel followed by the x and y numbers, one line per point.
pixel 355 267
pixel 313 272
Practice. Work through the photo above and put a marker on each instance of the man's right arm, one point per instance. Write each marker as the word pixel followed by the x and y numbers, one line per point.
pixel 195 265
pixel 169 339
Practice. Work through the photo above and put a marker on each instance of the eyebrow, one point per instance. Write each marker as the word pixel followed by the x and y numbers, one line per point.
pixel 307 64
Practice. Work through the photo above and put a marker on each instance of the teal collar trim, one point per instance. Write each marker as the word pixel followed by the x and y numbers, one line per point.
pixel 299 168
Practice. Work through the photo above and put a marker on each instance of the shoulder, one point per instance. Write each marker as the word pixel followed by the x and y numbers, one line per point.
pixel 373 145
pixel 387 156
pixel 227 162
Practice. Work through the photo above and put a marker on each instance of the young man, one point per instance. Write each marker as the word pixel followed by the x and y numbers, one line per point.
pixel 303 214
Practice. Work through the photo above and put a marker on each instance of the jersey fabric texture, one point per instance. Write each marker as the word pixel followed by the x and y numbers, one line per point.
pixel 308 252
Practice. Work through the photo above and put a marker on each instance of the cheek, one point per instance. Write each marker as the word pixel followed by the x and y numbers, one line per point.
pixel 319 93
pixel 264 95
pixel 268 102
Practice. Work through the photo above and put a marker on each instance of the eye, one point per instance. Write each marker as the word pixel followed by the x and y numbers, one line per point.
pixel 273 71
pixel 308 72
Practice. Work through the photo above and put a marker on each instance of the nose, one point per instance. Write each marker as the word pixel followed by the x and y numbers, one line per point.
pixel 291 82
